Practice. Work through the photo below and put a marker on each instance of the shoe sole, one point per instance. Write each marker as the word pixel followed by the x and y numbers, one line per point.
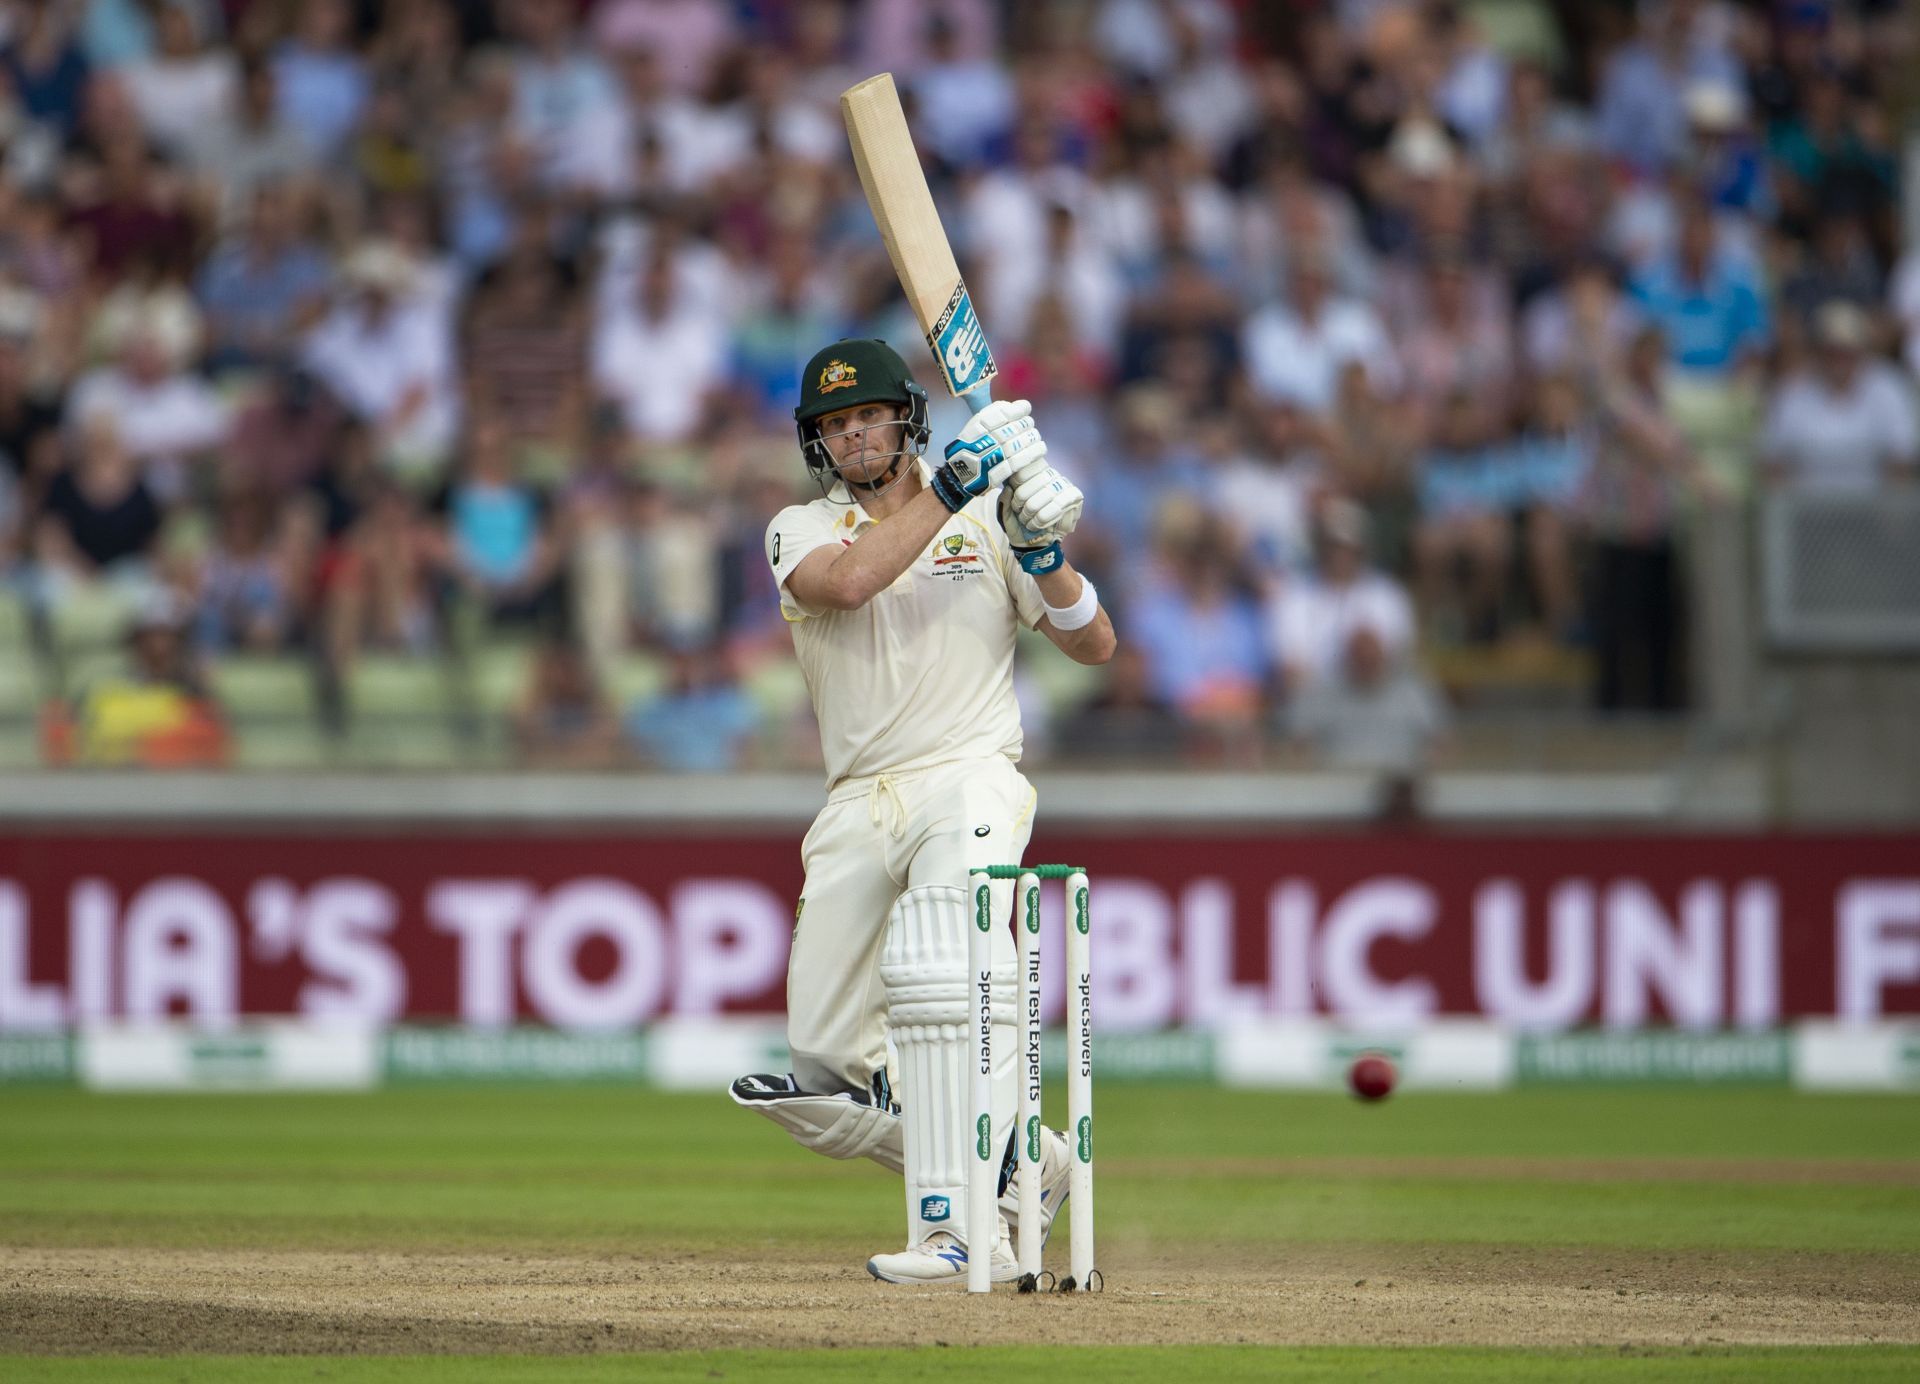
pixel 957 1280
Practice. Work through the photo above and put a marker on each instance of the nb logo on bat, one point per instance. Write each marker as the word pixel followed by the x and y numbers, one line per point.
pixel 960 346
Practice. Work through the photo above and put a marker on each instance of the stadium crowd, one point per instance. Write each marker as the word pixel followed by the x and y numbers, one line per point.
pixel 1373 329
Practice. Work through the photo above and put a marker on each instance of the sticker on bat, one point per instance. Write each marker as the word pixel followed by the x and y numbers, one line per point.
pixel 960 347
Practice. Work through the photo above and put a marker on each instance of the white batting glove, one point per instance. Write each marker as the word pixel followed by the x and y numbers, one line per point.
pixel 1046 501
pixel 995 440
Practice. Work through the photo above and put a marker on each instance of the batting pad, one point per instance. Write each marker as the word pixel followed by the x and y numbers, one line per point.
pixel 848 1125
pixel 923 963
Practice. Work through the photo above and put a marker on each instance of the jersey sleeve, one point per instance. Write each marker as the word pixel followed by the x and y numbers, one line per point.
pixel 795 531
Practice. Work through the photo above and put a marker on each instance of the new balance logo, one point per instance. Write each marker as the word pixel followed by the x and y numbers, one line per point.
pixel 935 1208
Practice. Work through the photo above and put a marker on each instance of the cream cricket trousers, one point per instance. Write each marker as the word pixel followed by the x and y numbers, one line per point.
pixel 876 838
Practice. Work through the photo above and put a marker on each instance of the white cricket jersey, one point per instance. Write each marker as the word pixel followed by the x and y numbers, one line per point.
pixel 923 673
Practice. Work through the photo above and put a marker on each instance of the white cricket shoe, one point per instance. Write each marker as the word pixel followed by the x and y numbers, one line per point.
pixel 941 1259
pixel 1056 1177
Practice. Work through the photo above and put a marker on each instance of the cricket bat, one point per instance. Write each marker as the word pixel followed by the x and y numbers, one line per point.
pixel 896 188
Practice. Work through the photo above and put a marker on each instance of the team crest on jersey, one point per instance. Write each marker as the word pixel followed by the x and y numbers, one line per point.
pixel 838 375
pixel 957 556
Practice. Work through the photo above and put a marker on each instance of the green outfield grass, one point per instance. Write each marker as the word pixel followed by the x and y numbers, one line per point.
pixel 600 1170
pixel 590 1168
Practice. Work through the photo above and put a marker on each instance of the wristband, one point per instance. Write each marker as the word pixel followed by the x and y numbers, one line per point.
pixel 952 494
pixel 1037 562
pixel 1078 615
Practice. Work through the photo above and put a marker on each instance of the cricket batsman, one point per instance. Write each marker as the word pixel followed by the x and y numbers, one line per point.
pixel 903 585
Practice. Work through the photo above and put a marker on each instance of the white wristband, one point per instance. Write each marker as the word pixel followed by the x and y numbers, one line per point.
pixel 1078 615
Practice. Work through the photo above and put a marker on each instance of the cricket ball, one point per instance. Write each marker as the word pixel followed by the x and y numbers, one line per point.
pixel 1371 1076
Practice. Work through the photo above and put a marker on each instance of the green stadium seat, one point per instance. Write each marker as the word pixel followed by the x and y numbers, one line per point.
pixel 253 685
pixel 263 744
pixel 630 678
pixel 778 689
pixel 23 683
pixel 88 617
pixel 16 623
pixel 402 713
pixel 19 743
pixel 498 674
pixel 1064 683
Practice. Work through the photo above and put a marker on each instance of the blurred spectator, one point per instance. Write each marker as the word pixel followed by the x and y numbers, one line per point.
pixel 158 713
pixel 701 722
pixel 1296 351
pixel 381 593
pixel 1313 617
pixel 524 347
pixel 319 80
pixel 285 437
pixel 251 579
pixel 1126 720
pixel 1553 453
pixel 99 518
pixel 385 351
pixel 263 286
pixel 45 65
pixel 1707 303
pixel 185 86
pixel 1371 710
pixel 659 353
pixel 1640 468
pixel 1839 266
pixel 560 85
pixel 1642 109
pixel 500 546
pixel 562 721
pixel 1200 631
pixel 969 90
pixel 1464 543
pixel 166 416
pixel 1847 424
pixel 29 413
pixel 1265 496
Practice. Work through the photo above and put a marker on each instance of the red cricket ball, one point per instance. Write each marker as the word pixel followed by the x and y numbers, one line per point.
pixel 1371 1076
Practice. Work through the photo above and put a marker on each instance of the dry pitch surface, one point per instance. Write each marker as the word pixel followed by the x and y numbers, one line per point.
pixel 229 1302
pixel 596 1220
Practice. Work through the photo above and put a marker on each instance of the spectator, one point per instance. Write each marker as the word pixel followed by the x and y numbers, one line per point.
pixel 385 351
pixel 159 713
pixel 1373 712
pixel 1296 351
pixel 45 66
pixel 1553 454
pixel 99 519
pixel 1125 720
pixel 320 81
pixel 1464 482
pixel 1200 631
pixel 1708 305
pixel 701 722
pixel 524 345
pixel 1313 617
pixel 381 592
pixel 1265 497
pixel 262 287
pixel 1641 467
pixel 1847 425
pixel 166 416
pixel 250 581
pixel 659 354
pixel 499 543
pixel 562 721
pixel 185 86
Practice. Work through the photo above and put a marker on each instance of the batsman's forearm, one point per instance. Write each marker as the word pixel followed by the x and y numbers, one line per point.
pixel 878 557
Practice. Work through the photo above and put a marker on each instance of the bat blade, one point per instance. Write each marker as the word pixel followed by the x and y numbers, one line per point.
pixel 896 188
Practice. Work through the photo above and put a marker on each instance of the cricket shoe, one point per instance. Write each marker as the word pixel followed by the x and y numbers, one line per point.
pixel 941 1259
pixel 1056 1178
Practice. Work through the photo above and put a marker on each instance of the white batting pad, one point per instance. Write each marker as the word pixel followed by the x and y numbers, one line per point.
pixel 923 963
